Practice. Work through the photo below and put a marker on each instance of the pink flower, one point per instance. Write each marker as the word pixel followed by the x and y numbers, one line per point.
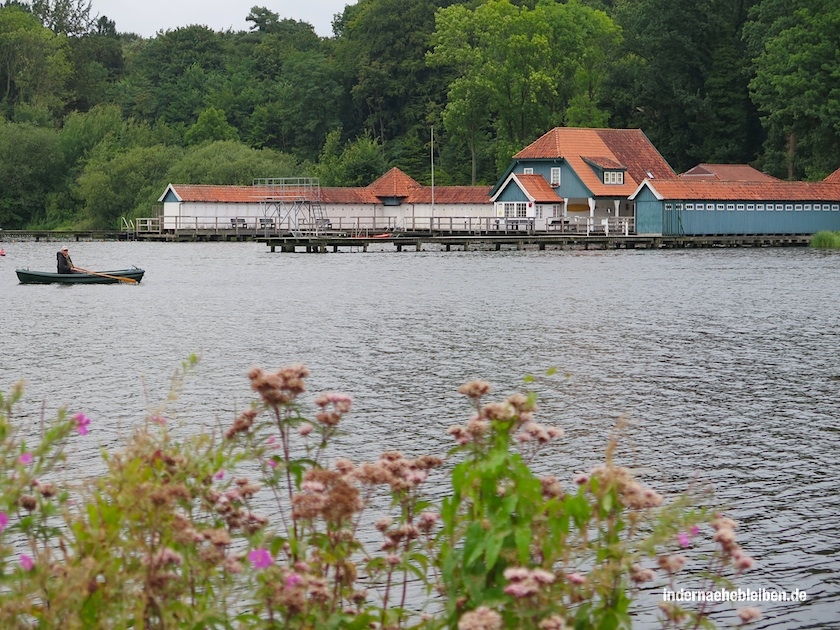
pixel 220 474
pixel 4 521
pixel 272 463
pixel 82 422
pixel 695 530
pixel 305 429
pixel 260 558
pixel 684 539
pixel 159 420
pixel 293 579
pixel 26 562
pixel 25 459
pixel 576 578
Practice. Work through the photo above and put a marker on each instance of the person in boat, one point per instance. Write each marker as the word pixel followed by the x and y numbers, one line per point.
pixel 65 265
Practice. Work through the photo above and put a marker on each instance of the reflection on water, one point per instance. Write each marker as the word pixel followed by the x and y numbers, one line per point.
pixel 725 360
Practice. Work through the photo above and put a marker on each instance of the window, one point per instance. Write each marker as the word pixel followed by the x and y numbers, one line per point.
pixel 721 206
pixel 740 206
pixel 669 207
pixel 750 207
pixel 527 171
pixel 555 176
pixel 789 206
pixel 689 206
pixel 779 207
pixel 538 212
pixel 759 207
pixel 835 207
pixel 798 207
pixel 516 209
pixel 730 206
pixel 613 177
pixel 808 207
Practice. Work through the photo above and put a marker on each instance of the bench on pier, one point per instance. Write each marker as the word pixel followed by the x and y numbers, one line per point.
pixel 238 223
pixel 266 223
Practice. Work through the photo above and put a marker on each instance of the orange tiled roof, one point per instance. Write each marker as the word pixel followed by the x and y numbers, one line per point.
pixel 209 193
pixel 629 148
pixel 714 190
pixel 834 178
pixel 451 194
pixel 728 173
pixel 538 188
pixel 394 183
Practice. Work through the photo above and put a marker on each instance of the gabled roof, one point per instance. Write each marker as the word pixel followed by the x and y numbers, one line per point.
pixel 211 193
pixel 714 190
pixel 615 148
pixel 394 183
pixel 534 186
pixel 728 173
pixel 834 178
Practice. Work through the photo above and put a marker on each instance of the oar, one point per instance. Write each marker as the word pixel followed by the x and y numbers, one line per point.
pixel 106 275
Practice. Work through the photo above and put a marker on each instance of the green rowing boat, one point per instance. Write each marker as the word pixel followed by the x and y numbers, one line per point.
pixel 126 276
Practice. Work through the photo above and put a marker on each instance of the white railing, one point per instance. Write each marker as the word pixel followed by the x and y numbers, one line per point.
pixel 370 225
pixel 617 226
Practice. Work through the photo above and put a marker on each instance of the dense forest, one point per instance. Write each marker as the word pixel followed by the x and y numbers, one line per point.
pixel 95 120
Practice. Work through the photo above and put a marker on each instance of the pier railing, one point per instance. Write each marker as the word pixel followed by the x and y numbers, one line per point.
pixel 370 225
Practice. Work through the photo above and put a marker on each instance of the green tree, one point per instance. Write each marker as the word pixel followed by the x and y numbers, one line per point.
pixel 232 163
pixel 30 168
pixel 212 125
pixel 358 164
pixel 33 62
pixel 658 80
pixel 125 184
pixel 522 65
pixel 797 88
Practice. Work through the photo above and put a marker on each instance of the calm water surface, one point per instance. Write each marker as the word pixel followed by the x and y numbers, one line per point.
pixel 726 361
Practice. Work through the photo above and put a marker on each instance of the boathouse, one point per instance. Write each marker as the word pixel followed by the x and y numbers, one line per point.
pixel 579 179
pixel 693 206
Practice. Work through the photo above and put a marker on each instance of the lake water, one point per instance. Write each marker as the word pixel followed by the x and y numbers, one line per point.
pixel 726 361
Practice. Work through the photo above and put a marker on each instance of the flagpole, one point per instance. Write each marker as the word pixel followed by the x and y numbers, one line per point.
pixel 432 162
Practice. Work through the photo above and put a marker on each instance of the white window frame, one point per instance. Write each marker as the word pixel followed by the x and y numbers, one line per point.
pixel 528 170
pixel 750 207
pixel 614 178
pixel 555 176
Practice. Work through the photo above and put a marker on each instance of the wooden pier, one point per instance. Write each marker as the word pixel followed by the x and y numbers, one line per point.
pixel 541 242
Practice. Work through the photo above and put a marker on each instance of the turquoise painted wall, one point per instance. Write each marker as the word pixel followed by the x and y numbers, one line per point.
pixel 735 218
pixel 571 185
pixel 649 215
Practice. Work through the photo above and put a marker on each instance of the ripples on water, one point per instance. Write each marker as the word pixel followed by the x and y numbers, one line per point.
pixel 726 361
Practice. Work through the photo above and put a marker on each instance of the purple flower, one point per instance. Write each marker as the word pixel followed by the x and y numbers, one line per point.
pixel 26 562
pixel 4 521
pixel 272 463
pixel 695 530
pixel 159 420
pixel 260 558
pixel 25 459
pixel 684 539
pixel 82 422
pixel 220 474
pixel 293 579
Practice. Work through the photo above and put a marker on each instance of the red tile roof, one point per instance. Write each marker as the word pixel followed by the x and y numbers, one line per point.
pixel 394 183
pixel 626 147
pixel 451 194
pixel 537 188
pixel 834 178
pixel 714 190
pixel 728 173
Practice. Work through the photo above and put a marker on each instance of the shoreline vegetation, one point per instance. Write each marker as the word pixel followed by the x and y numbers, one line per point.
pixel 169 535
pixel 826 240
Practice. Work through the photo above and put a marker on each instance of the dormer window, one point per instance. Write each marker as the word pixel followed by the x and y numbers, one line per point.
pixel 555 176
pixel 613 177
pixel 527 171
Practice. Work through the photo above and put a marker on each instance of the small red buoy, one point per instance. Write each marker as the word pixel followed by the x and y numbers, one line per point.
pixel 2 252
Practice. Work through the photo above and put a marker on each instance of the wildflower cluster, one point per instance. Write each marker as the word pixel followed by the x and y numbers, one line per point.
pixel 170 536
